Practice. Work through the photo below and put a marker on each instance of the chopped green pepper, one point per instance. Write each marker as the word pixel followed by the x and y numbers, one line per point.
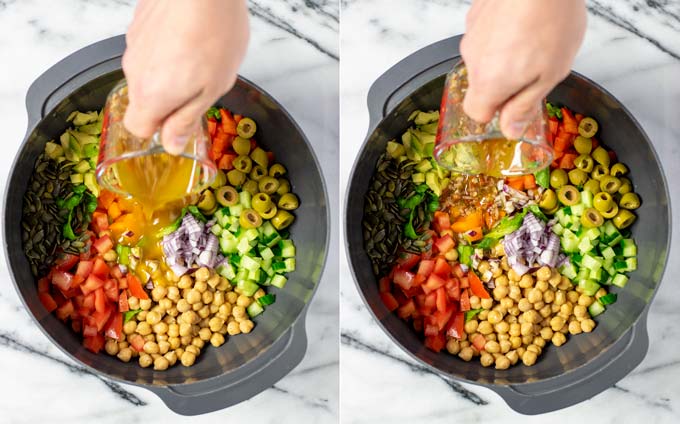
pixel 472 313
pixel 127 316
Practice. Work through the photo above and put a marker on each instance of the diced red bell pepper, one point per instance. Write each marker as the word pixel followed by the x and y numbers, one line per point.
pixel 464 301
pixel 227 162
pixel 103 244
pixel 212 126
pixel 567 161
pixel 94 343
pixel 435 343
pixel 91 284
pixel 135 287
pixel 569 123
pixel 65 262
pixel 563 142
pixel 228 122
pixel 476 286
pixel 389 301
pixel 433 283
pixel 445 244
pixel 456 325
pixel 62 280
pixel 425 267
pixel 553 124
pixel 114 328
pixel 48 301
pixel 529 181
pixel 404 279
pixel 442 268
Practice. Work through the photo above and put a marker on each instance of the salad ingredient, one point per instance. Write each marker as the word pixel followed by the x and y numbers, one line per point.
pixel 629 201
pixel 587 127
pixel 558 178
pixel 618 170
pixel 568 195
pixel 533 243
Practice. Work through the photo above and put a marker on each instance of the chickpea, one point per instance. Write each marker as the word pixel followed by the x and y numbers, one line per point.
pixel 243 300
pixel 201 286
pixel 215 324
pixel 161 363
pixel 153 317
pixel 173 293
pixel 531 317
pixel 526 340
pixel 548 296
pixel 489 337
pixel 514 313
pixel 560 298
pixel 475 302
pixel 141 316
pixel 505 346
pixel 506 303
pixel 174 342
pixel 539 341
pixel 171 357
pixel 516 342
pixel 125 354
pixel 194 296
pixel 558 339
pixel 185 329
pixel 492 346
pixel 179 352
pixel 533 348
pixel 580 311
pixel 555 278
pixel 500 292
pixel 145 360
pixel 487 303
pixel 529 358
pixel 526 281
pixel 512 275
pixel 246 326
pixel 111 347
pixel 231 297
pixel 145 304
pixel 535 295
pixel 540 304
pixel 158 293
pixel 217 340
pixel 575 327
pixel 214 281
pixel 572 296
pixel 543 273
pixel 484 327
pixel 545 311
pixel 190 317
pixel 585 300
pixel 218 298
pixel 193 349
pixel 198 342
pixel 466 354
pixel 512 356
pixel 129 327
pixel 151 347
pixel 224 311
pixel 502 327
pixel 207 297
pixel 133 302
pixel 587 325
pixel 150 338
pixel 238 311
pixel 202 274
pixel 183 305
pixel 564 284
pixel 483 315
pixel 524 304
pixel 204 334
pixel 515 329
pixel 143 328
pixel 185 340
pixel 188 358
pixel 495 317
pixel 452 346
pixel 185 282
pixel 224 285
pixel 502 362
pixel 160 328
pixel 601 292
pixel 566 310
pixel 556 323
pixel 486 359
pixel 547 333
pixel 197 306
pixel 471 326
pixel 527 329
pixel 233 328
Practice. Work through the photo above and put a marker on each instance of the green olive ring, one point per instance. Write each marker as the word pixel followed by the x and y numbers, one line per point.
pixel 250 219
pixel 578 177
pixel 282 220
pixel 220 179
pixel 568 195
pixel 611 213
pixel 277 170
pixel 601 156
pixel 603 201
pixel 554 210
pixel 583 145
pixel 246 128
pixel 592 218
pixel 289 202
pixel 269 213
pixel 236 178
pixel 626 186
pixel 618 169
pixel 630 201
pixel 226 196
pixel 599 171
pixel 587 127
pixel 261 202
pixel 268 185
pixel 548 200
pixel 260 157
pixel 284 187
pixel 610 184
pixel 207 201
pixel 558 178
pixel 251 187
pixel 241 146
pixel 623 219
pixel 592 186
pixel 257 173
pixel 243 163
pixel 584 163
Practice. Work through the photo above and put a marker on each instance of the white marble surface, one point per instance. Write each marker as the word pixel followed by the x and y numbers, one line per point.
pixel 633 49
pixel 293 52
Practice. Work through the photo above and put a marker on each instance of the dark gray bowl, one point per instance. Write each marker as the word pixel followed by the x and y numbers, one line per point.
pixel 244 366
pixel 589 363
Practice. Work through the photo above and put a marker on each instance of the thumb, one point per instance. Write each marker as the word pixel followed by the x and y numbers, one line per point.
pixel 518 112
pixel 178 127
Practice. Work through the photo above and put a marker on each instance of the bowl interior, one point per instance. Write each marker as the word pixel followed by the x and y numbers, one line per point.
pixel 276 131
pixel 651 231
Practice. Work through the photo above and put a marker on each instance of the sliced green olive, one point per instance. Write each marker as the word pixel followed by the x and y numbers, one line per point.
pixel 269 213
pixel 626 186
pixel 603 201
pixel 268 185
pixel 241 146
pixel 548 200
pixel 592 186
pixel 289 202
pixel 277 170
pixel 284 187
pixel 257 173
pixel 591 218
pixel 583 145
pixel 587 127
pixel 558 178
pixel 611 213
pixel 630 201
pixel 601 156
pixel 250 219
pixel 618 169
pixel 243 164
pixel 260 157
pixel 568 195
pixel 261 202
pixel 207 201
pixel 246 128
pixel 554 210
pixel 220 179
pixel 251 187
pixel 584 162
pixel 211 211
pixel 282 219
pixel 236 178
pixel 599 171
pixel 578 177
pixel 226 196
pixel 610 184
pixel 623 219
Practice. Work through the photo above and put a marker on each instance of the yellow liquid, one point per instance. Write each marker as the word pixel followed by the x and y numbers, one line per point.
pixel 497 157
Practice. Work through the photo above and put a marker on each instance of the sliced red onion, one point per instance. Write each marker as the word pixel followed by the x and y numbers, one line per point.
pixel 149 284
pixel 128 233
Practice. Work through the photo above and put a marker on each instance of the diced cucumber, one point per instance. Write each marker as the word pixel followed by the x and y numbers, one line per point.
pixel 608 253
pixel 587 199
pixel 247 287
pixel 567 211
pixel 255 275
pixel 274 241
pixel 585 245
pixel 595 309
pixel 244 198
pixel 287 248
pixel 236 210
pixel 558 229
pixel 216 229
pixel 631 264
pixel 228 244
pixel 279 266
pixel 590 287
pixel 591 262
pixel 568 270
pixel 222 216
pixel 250 234
pixel 591 234
pixel 226 271
pixel 569 241
pixel 279 281
pixel 243 246
pixel 76 179
pixel 596 274
pixel 620 280
pixel 582 274
pixel 290 264
pixel 577 210
pixel 629 248
pixel 266 254
pixel 254 309
pixel 249 263
pixel 621 266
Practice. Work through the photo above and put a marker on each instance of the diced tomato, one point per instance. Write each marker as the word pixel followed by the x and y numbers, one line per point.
pixel 453 288
pixel 476 286
pixel 100 300
pixel 458 271
pixel 111 289
pixel 100 222
pixel 43 285
pixel 114 328
pixel 123 305
pixel 89 330
pixel 431 327
pixel 48 301
pixel 442 268
pixel 84 269
pixel 237 118
pixel 406 310
pixel 464 301
pixel 433 283
pixel 228 122
pixel 65 262
pixel 425 267
pixel 578 117
pixel 101 318
pixel 403 279
pixel 408 261
pixel 441 318
pixel 94 344
pixel 122 283
pixel 226 162
pixel 384 284
pixel 442 221
pixel 456 325
pixel 77 325
pixel 464 282
pixel 442 301
pixel 135 287
pixel 479 342
pixel 88 301
pixel 137 342
pixel 65 310
pixel 116 272
pixel 62 279
pixel 418 280
pixel 212 126
pixel 563 141
pixel 445 244
pixel 390 302
pixel 91 284
pixel 569 123
pixel 567 161
pixel 553 123
pixel 435 343
pixel 103 244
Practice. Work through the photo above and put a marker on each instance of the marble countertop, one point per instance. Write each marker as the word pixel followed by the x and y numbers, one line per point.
pixel 294 47
pixel 632 48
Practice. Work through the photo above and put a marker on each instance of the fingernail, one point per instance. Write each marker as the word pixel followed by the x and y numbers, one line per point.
pixel 516 129
pixel 177 144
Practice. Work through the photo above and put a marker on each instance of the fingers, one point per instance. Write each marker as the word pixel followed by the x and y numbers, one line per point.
pixel 522 108
pixel 178 127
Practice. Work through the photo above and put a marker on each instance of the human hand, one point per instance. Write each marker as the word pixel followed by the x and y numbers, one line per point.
pixel 515 53
pixel 181 57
